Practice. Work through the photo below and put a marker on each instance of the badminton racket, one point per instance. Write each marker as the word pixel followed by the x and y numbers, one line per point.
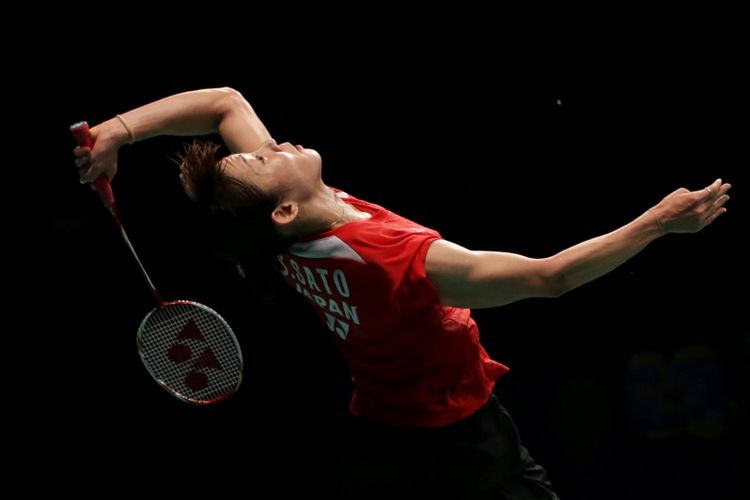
pixel 187 347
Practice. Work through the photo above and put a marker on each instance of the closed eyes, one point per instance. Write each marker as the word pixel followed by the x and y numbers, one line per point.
pixel 260 158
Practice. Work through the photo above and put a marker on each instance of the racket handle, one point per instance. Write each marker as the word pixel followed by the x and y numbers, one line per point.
pixel 82 135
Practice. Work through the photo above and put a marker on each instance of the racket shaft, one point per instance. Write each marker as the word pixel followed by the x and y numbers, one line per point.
pixel 140 265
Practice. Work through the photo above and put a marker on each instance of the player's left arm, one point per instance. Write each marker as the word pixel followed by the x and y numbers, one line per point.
pixel 475 279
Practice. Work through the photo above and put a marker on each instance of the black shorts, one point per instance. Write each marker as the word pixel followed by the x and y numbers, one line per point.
pixel 479 457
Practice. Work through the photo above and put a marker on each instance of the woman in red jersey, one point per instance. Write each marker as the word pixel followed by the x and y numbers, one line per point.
pixel 393 294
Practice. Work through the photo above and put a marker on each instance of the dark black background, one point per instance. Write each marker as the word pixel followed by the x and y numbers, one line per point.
pixel 501 143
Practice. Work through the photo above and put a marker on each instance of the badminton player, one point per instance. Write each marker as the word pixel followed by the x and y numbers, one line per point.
pixel 394 295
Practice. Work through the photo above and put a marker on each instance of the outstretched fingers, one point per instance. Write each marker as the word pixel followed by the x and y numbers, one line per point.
pixel 713 191
pixel 716 197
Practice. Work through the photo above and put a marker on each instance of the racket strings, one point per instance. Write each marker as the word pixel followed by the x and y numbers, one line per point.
pixel 191 351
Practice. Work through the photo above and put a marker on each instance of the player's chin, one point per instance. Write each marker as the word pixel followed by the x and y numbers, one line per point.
pixel 313 154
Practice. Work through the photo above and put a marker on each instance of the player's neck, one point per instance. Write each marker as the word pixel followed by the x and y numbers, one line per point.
pixel 323 212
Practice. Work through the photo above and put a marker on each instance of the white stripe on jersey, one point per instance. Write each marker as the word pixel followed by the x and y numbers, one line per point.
pixel 325 248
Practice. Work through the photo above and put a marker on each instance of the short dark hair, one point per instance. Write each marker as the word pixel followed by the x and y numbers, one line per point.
pixel 239 213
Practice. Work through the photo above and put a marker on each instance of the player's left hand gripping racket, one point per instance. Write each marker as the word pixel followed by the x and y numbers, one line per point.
pixel 186 347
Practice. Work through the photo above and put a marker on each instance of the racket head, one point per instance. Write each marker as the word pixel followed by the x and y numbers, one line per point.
pixel 191 352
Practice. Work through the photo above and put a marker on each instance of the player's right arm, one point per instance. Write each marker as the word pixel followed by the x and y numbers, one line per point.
pixel 199 112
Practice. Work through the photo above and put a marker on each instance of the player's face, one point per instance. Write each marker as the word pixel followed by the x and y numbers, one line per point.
pixel 282 169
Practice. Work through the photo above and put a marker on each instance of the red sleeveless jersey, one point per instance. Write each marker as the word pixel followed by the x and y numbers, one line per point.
pixel 413 361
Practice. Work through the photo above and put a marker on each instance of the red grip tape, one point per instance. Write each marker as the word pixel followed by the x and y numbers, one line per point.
pixel 82 135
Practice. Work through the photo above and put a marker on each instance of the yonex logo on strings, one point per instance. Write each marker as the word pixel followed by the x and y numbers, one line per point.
pixel 180 352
